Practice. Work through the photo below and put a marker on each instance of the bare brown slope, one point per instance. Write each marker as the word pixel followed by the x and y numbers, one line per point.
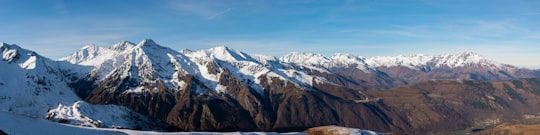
pixel 425 107
pixel 446 105
pixel 389 77
pixel 511 129
pixel 284 106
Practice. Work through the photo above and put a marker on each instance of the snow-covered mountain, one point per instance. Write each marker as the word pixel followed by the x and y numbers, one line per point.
pixel 146 62
pixel 152 79
pixel 424 62
pixel 137 60
pixel 221 89
pixel 384 72
pixel 32 85
pixel 418 61
pixel 21 125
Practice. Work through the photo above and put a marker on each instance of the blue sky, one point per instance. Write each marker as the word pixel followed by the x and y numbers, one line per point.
pixel 506 31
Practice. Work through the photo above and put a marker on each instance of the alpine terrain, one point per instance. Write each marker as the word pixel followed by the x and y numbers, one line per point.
pixel 146 86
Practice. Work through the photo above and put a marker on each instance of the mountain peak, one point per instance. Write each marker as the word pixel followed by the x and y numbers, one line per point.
pixel 9 52
pixel 345 56
pixel 221 47
pixel 304 54
pixel 226 53
pixel 14 48
pixel 465 58
pixel 122 45
pixel 150 44
pixel 6 45
pixel 470 55
pixel 147 42
pixel 305 58
pixel 221 50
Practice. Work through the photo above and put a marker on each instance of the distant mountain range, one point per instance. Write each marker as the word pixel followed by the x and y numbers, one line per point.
pixel 148 86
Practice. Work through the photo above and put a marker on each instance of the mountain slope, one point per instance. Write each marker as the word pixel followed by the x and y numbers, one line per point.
pixel 16 124
pixel 445 105
pixel 168 85
pixel 28 82
pixel 32 85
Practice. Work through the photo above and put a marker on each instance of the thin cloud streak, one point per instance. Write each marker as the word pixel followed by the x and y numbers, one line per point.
pixel 219 14
pixel 479 30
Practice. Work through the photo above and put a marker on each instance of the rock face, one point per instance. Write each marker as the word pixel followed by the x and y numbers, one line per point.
pixel 222 89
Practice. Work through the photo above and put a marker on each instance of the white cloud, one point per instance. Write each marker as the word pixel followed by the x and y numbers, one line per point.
pixel 454 30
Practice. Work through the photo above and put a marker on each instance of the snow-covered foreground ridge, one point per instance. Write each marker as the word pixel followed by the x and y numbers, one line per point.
pixel 34 86
pixel 22 125
pixel 13 124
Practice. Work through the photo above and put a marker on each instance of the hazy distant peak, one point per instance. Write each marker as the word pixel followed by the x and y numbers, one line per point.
pixel 346 56
pixel 304 58
pixel 224 53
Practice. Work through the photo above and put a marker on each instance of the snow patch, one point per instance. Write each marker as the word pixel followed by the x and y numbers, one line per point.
pixel 105 116
pixel 305 59
pixel 9 55
pixel 30 63
pixel 425 62
pixel 221 89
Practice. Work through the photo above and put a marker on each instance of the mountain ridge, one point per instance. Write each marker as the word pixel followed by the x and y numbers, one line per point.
pixel 33 86
pixel 323 59
pixel 223 89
